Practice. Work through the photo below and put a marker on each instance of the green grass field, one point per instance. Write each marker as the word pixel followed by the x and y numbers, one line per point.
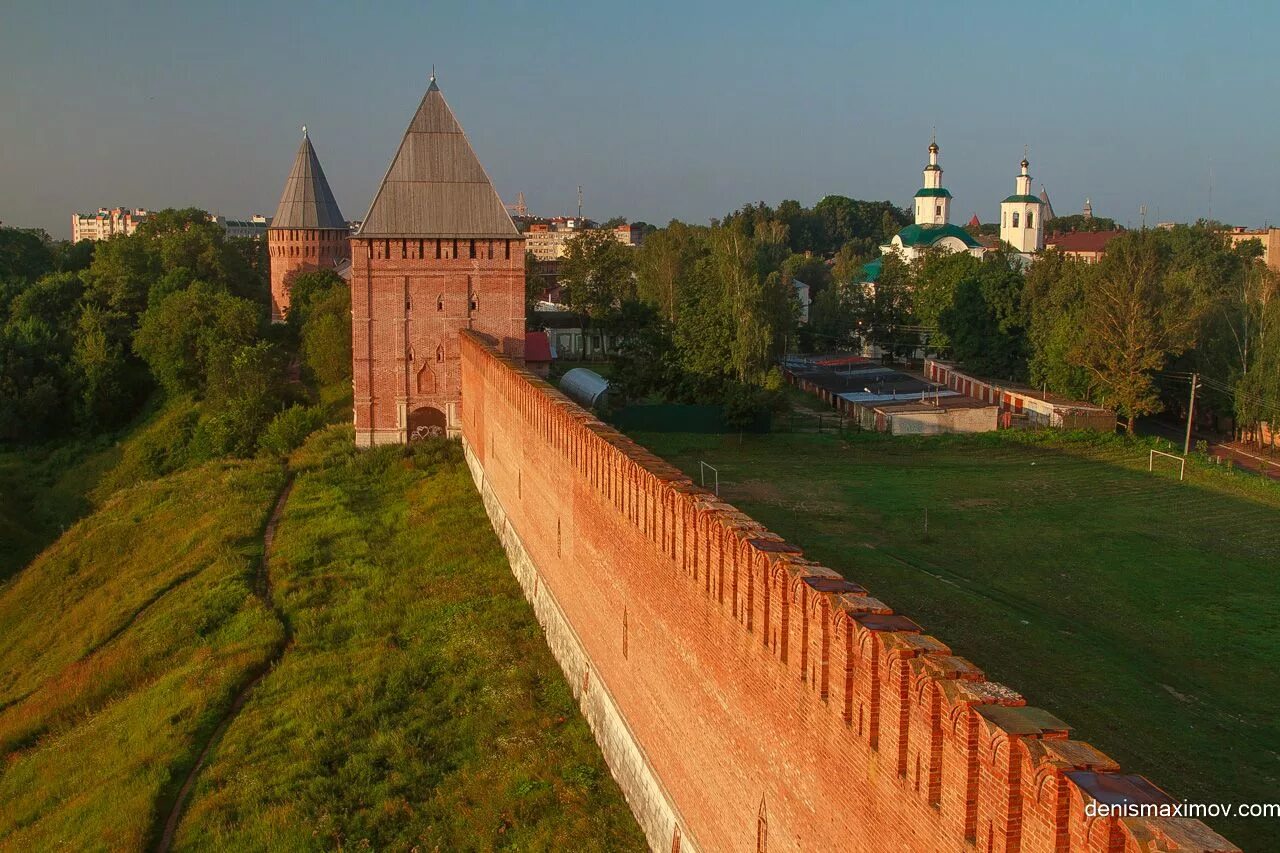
pixel 124 642
pixel 1141 610
pixel 417 706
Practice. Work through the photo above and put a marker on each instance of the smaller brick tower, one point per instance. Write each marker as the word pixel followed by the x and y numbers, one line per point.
pixel 437 253
pixel 308 231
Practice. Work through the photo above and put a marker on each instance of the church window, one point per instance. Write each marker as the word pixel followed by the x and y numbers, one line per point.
pixel 437 250
pixel 440 353
pixel 475 303
pixel 937 211
pixel 440 302
pixel 508 249
pixel 1015 219
pixel 473 249
pixel 1031 219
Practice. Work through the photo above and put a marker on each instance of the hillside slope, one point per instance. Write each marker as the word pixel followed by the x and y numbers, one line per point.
pixel 418 706
pixel 415 702
pixel 123 645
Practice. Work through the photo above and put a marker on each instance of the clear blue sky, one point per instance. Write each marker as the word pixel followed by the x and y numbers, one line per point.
pixel 659 109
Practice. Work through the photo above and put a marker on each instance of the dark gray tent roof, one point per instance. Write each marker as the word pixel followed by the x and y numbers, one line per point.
pixel 307 201
pixel 436 186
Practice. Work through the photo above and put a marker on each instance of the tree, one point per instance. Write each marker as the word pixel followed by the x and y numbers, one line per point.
pixel 937 277
pixel 642 358
pixel 243 394
pixel 309 288
pixel 108 394
pixel 831 320
pixel 326 337
pixel 664 263
pixel 121 275
pixel 180 338
pixel 596 274
pixel 535 287
pixel 883 307
pixel 985 320
pixel 1077 222
pixel 1134 317
pixel 24 254
pixel 1052 307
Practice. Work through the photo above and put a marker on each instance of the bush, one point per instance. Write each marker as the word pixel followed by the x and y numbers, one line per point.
pixel 289 429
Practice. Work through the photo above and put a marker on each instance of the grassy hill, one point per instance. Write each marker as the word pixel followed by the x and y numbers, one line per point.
pixel 1139 609
pixel 418 706
pixel 412 700
pixel 124 643
pixel 46 489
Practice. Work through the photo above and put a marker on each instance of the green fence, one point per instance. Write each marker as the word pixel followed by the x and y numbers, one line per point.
pixel 674 417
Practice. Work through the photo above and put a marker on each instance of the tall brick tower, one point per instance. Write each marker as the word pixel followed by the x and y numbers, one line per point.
pixel 437 253
pixel 308 231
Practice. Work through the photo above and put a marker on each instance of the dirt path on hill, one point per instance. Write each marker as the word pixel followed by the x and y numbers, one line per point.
pixel 262 587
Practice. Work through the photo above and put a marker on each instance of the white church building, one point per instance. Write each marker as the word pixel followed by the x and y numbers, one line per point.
pixel 1022 220
pixel 1022 216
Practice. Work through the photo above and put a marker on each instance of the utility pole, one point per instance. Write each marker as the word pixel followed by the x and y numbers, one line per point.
pixel 1191 413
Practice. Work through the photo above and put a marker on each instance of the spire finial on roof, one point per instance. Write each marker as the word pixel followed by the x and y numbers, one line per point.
pixel 304 131
pixel 433 87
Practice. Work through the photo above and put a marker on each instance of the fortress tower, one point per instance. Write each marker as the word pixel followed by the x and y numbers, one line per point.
pixel 308 231
pixel 437 253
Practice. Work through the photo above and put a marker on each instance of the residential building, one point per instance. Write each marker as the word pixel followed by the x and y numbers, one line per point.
pixel 1088 246
pixel 308 231
pixel 1268 237
pixel 548 239
pixel 106 223
pixel 255 227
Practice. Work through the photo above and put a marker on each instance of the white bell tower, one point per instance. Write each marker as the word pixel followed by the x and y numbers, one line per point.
pixel 1022 216
pixel 933 202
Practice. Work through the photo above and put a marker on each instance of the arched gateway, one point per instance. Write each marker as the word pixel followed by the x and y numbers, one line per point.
pixel 426 422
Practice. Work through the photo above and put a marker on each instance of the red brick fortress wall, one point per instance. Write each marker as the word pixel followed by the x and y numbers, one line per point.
pixel 409 300
pixel 773 704
pixel 294 250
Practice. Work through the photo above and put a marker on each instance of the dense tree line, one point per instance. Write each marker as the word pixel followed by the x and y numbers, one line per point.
pixel 90 332
pixel 703 313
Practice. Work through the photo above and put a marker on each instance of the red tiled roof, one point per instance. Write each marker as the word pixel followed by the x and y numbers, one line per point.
pixel 1082 241
pixel 536 347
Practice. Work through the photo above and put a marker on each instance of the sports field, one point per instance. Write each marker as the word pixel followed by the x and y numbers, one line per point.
pixel 1141 610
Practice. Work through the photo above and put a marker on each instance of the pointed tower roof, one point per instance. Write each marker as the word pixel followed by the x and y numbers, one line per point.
pixel 1044 199
pixel 436 186
pixel 307 201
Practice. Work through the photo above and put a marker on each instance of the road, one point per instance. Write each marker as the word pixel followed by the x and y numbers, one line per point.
pixel 1244 456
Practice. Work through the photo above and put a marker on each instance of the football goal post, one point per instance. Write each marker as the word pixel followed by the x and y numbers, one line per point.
pixel 1181 460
